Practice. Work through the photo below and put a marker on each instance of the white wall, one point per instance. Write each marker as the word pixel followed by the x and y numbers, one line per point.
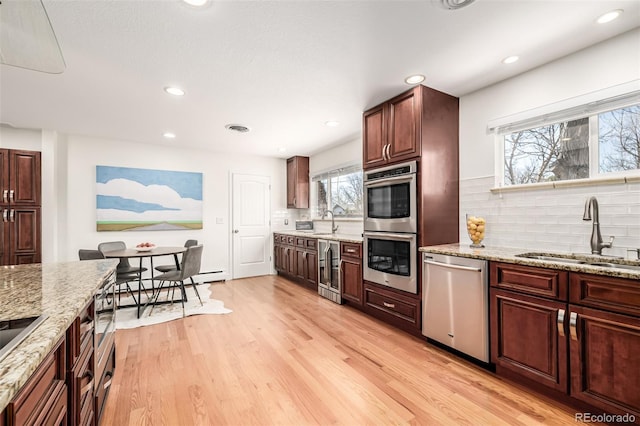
pixel 549 218
pixel 69 198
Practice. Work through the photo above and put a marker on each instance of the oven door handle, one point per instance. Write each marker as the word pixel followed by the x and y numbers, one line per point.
pixel 385 181
pixel 388 236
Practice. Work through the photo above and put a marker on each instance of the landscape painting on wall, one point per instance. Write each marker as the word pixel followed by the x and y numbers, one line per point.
pixel 129 199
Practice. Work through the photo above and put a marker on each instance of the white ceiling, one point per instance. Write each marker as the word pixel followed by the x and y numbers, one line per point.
pixel 282 68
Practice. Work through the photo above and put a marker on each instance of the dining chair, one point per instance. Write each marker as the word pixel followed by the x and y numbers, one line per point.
pixel 173 267
pixel 189 266
pixel 121 278
pixel 124 267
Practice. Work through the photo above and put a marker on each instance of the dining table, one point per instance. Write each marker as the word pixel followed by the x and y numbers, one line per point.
pixel 140 254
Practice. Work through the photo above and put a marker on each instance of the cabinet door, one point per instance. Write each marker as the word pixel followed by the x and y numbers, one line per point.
pixel 351 278
pixel 291 261
pixel 605 350
pixel 374 135
pixel 298 183
pixel 301 263
pixel 403 135
pixel 22 236
pixel 4 174
pixel 24 177
pixel 311 268
pixel 528 338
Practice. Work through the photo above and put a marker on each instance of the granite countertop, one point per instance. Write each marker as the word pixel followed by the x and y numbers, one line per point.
pixel 508 255
pixel 348 238
pixel 58 290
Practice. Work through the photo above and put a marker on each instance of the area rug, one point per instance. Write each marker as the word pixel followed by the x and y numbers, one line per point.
pixel 127 317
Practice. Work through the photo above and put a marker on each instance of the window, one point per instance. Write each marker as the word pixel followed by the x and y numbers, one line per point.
pixel 339 191
pixel 580 148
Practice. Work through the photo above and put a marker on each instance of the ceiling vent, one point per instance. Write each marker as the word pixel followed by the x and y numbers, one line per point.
pixel 455 4
pixel 237 128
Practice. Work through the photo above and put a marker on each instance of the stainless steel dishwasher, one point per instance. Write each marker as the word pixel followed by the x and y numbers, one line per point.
pixel 455 306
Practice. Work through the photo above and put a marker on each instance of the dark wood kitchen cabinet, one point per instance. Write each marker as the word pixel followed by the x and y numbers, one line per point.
pixel 81 368
pixel 604 324
pixel 351 273
pixel 392 130
pixel 20 186
pixel 298 182
pixel 306 255
pixel 527 319
pixel 43 399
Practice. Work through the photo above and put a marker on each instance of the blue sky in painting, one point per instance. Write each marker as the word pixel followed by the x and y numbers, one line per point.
pixel 187 184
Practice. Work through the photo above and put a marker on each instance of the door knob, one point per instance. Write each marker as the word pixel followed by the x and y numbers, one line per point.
pixel 235 231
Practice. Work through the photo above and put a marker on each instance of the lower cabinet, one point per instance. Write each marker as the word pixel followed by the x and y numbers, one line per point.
pixel 297 258
pixel 43 399
pixel 586 347
pixel 392 307
pixel 351 273
pixel 528 337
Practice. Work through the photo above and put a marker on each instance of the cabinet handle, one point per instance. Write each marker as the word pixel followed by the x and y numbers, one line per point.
pixel 384 157
pixel 294 201
pixel 86 388
pixel 4 215
pixel 12 215
pixel 388 149
pixel 561 322
pixel 350 251
pixel 86 326
pixel 340 265
pixel 573 325
pixel 107 384
pixel 389 305
pixel 4 196
pixel 11 196
pixel 305 255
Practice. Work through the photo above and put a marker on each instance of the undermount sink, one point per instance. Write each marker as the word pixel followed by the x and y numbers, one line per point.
pixel 592 260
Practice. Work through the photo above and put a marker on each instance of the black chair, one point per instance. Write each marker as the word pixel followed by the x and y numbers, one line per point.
pixel 173 267
pixel 189 266
pixel 121 278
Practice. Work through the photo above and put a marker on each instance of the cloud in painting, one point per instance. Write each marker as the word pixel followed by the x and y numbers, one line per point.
pixel 124 199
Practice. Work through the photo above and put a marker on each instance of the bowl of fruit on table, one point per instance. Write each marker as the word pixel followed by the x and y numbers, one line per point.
pixel 145 246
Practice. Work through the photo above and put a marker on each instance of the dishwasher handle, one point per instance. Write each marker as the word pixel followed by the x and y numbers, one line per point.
pixel 452 266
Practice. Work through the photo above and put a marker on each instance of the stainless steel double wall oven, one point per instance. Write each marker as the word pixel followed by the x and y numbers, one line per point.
pixel 390 225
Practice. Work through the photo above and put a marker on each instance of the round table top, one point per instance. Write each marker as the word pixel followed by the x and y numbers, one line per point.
pixel 156 251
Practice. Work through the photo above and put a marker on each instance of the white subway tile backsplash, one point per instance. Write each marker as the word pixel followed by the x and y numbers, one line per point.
pixel 551 218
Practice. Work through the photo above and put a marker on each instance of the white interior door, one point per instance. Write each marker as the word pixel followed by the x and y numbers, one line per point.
pixel 251 225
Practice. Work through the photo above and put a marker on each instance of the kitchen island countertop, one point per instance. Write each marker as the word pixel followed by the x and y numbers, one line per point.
pixel 57 290
pixel 509 255
pixel 347 238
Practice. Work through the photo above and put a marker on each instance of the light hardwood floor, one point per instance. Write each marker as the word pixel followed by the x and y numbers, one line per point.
pixel 286 356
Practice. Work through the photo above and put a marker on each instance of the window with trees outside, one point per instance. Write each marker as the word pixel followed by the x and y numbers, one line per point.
pixel 585 147
pixel 338 191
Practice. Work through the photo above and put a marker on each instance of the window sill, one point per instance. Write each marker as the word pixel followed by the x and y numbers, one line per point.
pixel 612 180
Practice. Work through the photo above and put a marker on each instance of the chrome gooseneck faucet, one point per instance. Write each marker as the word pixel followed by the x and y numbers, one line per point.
pixel 596 238
pixel 334 228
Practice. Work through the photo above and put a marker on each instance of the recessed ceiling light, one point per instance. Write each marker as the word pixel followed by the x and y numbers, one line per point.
pixel 455 4
pixel 172 90
pixel 196 3
pixel 331 123
pixel 169 135
pixel 237 128
pixel 414 79
pixel 609 16
pixel 510 59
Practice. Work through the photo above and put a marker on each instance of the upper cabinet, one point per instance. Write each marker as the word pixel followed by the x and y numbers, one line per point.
pixel 392 130
pixel 298 183
pixel 19 177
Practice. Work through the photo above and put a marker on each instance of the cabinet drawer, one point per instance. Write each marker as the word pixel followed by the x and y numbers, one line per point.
pixel 311 244
pixel 549 283
pixel 80 335
pixel 38 396
pixel 351 250
pixel 289 239
pixel 612 294
pixel 403 309
pixel 104 385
